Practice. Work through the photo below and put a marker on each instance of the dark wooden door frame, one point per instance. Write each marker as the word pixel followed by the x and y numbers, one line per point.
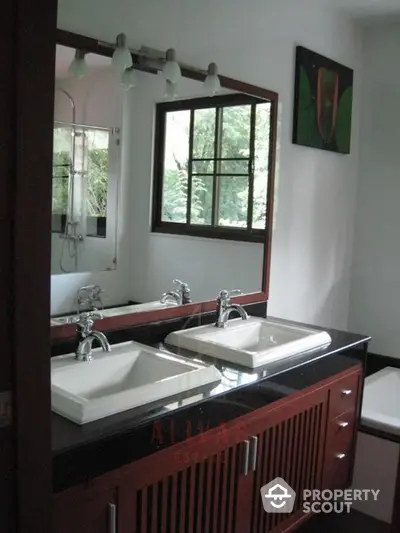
pixel 26 115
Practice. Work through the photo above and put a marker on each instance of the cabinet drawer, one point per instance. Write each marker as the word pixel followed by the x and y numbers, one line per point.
pixel 338 458
pixel 337 473
pixel 340 433
pixel 343 396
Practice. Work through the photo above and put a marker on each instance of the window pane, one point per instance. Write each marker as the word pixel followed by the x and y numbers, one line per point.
pixel 204 133
pixel 62 139
pixel 233 201
pixel 97 174
pixel 62 142
pixel 263 115
pixel 233 167
pixel 201 206
pixel 61 166
pixel 235 139
pixel 175 179
pixel 202 167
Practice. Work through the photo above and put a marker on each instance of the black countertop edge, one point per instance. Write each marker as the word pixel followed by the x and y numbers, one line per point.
pixel 83 452
pixel 378 433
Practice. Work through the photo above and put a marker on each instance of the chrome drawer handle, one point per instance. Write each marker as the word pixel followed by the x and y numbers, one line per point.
pixel 253 452
pixel 343 425
pixel 245 460
pixel 347 392
pixel 341 456
pixel 112 518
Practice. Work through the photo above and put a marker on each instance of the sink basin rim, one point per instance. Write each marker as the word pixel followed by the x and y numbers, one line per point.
pixel 193 340
pixel 82 410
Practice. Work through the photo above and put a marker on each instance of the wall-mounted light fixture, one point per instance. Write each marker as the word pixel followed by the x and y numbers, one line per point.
pixel 121 58
pixel 170 90
pixel 212 84
pixel 171 70
pixel 128 78
pixel 78 67
pixel 150 60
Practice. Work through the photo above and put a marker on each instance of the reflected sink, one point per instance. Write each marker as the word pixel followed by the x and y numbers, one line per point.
pixel 118 311
pixel 137 308
pixel 252 343
pixel 131 375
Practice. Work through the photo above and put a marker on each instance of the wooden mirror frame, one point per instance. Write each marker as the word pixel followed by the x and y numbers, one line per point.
pixel 125 321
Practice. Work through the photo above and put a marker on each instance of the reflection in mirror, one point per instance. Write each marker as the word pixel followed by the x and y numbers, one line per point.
pixel 172 183
pixel 85 167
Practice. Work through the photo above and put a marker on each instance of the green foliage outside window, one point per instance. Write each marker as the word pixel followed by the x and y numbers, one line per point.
pixel 233 191
pixel 97 182
pixel 61 169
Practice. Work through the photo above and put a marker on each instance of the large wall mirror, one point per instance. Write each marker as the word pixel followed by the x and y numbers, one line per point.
pixel 162 192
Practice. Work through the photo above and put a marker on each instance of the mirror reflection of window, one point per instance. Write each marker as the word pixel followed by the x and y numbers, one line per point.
pixel 215 158
pixel 62 141
pixel 80 179
pixel 97 181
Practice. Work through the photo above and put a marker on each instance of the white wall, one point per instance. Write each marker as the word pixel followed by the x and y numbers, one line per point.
pixel 99 101
pixel 375 296
pixel 255 42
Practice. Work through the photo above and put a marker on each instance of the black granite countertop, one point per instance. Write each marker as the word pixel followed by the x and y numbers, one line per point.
pixel 83 452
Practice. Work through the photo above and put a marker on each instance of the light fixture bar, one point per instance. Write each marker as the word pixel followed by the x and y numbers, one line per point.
pixel 152 58
pixel 86 126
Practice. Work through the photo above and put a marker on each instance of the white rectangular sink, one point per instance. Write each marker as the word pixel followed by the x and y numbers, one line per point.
pixel 252 343
pixel 131 375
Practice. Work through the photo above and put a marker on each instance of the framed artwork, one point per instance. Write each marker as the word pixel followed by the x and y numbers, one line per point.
pixel 323 102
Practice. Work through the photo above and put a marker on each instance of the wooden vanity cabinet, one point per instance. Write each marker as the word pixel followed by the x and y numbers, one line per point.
pixel 211 483
pixel 90 508
pixel 344 405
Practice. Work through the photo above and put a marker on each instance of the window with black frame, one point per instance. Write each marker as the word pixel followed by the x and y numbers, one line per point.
pixel 212 160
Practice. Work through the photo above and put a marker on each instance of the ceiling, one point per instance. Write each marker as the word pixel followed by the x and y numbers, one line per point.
pixel 65 55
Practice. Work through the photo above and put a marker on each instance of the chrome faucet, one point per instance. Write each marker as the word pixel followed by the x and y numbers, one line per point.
pixel 181 296
pixel 225 307
pixel 85 325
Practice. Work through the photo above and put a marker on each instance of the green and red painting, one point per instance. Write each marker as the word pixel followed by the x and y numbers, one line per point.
pixel 322 103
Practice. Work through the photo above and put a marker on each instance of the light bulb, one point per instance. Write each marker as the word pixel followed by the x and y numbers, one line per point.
pixel 128 78
pixel 121 58
pixel 170 90
pixel 172 70
pixel 78 67
pixel 212 84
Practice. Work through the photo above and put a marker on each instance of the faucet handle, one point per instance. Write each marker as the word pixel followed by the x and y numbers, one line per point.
pixel 182 284
pixel 224 296
pixel 85 316
pixel 184 289
pixel 93 315
pixel 235 292
pixel 85 321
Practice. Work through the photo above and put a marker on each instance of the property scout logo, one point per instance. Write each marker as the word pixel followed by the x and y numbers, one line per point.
pixel 279 497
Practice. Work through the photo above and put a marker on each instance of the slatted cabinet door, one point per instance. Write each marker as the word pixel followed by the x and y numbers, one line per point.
pixel 290 445
pixel 192 487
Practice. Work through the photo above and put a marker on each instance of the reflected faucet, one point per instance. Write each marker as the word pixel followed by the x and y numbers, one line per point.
pixel 85 325
pixel 225 307
pixel 181 296
pixel 89 298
